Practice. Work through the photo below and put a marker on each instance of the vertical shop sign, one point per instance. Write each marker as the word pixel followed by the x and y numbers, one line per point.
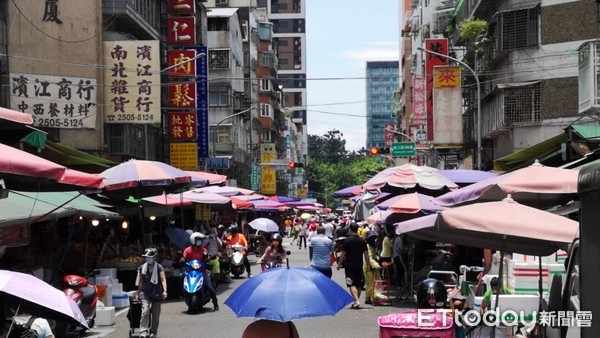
pixel 181 31
pixel 181 6
pixel 132 78
pixel 180 62
pixel 269 183
pixel 439 46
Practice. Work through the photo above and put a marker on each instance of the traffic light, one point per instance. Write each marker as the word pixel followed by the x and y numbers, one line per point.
pixel 380 151
pixel 294 165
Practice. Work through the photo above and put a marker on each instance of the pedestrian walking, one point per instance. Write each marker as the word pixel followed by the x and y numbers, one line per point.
pixel 302 235
pixel 322 248
pixel 371 267
pixel 288 226
pixel 152 290
pixel 354 251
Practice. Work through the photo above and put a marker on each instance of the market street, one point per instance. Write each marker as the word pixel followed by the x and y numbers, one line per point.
pixel 175 322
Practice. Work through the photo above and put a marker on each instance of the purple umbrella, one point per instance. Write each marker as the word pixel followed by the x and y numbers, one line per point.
pixel 347 192
pixel 38 298
pixel 266 205
pixel 467 176
pixel 283 199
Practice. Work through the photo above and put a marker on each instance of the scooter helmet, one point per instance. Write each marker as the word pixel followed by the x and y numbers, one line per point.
pixel 197 238
pixel 277 237
pixel 234 230
pixel 221 228
pixel 431 294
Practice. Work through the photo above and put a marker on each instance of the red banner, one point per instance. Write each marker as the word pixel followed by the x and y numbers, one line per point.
pixel 179 58
pixel 182 127
pixel 182 95
pixel 388 134
pixel 181 31
pixel 181 6
pixel 419 97
pixel 431 60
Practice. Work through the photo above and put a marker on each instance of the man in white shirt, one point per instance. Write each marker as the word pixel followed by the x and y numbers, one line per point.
pixel 329 228
pixel 40 325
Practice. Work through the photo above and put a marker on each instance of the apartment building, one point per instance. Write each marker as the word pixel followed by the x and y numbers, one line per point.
pixel 382 82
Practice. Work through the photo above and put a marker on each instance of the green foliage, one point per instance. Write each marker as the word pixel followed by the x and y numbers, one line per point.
pixel 330 171
pixel 472 30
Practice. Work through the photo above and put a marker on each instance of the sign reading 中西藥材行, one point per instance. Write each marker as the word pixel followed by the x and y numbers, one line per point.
pixel 55 101
pixel 132 82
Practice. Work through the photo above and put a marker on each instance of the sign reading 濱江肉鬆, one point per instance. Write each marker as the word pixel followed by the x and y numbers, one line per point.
pixel 132 82
pixel 55 101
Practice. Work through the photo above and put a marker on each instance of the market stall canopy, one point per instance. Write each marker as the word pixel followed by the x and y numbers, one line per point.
pixel 23 207
pixel 348 192
pixel 143 179
pixel 405 207
pixel 252 197
pixel 536 185
pixel 412 177
pixel 210 178
pixel 238 204
pixel 467 176
pixel 525 157
pixel 224 191
pixel 503 225
pixel 266 205
pixel 175 200
pixel 15 117
pixel 283 199
pixel 24 171
pixel 205 197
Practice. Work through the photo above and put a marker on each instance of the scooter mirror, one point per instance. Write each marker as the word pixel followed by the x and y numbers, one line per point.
pixel 288 253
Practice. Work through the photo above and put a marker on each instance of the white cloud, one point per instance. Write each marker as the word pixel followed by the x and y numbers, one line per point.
pixel 375 51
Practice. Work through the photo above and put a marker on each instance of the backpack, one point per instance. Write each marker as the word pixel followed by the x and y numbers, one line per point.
pixel 23 330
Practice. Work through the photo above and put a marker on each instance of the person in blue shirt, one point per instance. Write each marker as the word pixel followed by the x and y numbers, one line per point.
pixel 322 248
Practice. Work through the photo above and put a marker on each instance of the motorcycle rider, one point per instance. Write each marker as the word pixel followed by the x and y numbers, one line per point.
pixel 237 238
pixel 197 251
pixel 274 252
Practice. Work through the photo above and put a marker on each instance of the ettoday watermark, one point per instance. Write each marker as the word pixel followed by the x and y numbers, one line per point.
pixel 507 318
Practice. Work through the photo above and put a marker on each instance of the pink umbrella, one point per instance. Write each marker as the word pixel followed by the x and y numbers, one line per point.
pixel 205 197
pixel 15 116
pixel 27 172
pixel 409 176
pixel 143 179
pixel 225 191
pixel 173 200
pixel 536 185
pixel 405 207
pixel 209 177
pixel 505 225
pixel 252 197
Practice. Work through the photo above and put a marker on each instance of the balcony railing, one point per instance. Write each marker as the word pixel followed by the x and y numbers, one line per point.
pixel 139 17
pixel 510 106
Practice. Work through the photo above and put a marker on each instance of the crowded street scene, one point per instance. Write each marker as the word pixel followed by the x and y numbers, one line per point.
pixel 299 168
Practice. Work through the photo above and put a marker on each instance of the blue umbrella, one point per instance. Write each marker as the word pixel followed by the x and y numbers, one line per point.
pixel 285 294
pixel 179 237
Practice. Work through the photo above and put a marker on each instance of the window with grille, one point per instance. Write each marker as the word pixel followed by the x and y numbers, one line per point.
pixel 219 58
pixel 266 135
pixel 265 85
pixel 266 59
pixel 265 110
pixel 523 105
pixel 518 28
pixel 222 134
pixel 218 96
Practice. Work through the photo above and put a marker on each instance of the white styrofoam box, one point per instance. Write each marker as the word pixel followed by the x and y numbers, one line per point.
pixel 110 272
pixel 477 302
pixel 103 280
pixel 120 301
pixel 117 288
pixel 107 299
pixel 105 316
pixel 526 270
pixel 526 303
pixel 519 287
pixel 561 256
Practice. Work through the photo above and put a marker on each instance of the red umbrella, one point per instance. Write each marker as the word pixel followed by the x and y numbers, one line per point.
pixel 209 177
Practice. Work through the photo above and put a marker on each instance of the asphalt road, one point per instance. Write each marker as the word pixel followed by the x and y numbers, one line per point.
pixel 175 322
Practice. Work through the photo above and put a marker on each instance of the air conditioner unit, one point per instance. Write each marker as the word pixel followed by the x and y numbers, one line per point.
pixel 415 24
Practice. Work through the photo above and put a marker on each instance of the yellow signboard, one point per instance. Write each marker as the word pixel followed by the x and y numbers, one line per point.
pixel 446 76
pixel 302 193
pixel 184 155
pixel 269 182
pixel 203 212
pixel 267 152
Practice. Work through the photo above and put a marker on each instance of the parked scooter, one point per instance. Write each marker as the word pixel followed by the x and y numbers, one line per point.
pixel 85 295
pixel 194 292
pixel 237 260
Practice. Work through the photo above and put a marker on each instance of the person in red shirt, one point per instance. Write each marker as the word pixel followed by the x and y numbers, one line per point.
pixel 197 252
pixel 240 239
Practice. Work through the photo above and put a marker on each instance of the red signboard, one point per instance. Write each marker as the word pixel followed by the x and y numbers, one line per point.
pixel 419 97
pixel 431 60
pixel 177 59
pixel 181 6
pixel 388 134
pixel 182 126
pixel 182 95
pixel 181 31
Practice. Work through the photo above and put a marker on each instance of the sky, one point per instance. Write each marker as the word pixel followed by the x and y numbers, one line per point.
pixel 342 35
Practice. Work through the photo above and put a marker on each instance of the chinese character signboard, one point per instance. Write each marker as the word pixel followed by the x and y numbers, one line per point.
pixel 178 60
pixel 182 95
pixel 181 6
pixel 269 185
pixel 267 153
pixel 55 101
pixel 418 130
pixel 132 82
pixel 388 133
pixel 181 31
pixel 182 126
pixel 254 177
pixel 439 46
pixel 202 100
pixel 184 156
pixel 446 76
pixel 447 103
